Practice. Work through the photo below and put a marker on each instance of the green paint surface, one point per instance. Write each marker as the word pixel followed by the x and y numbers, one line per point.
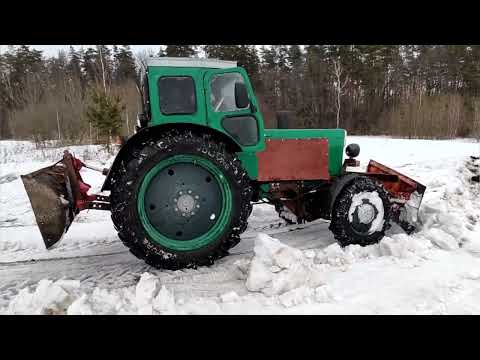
pixel 203 240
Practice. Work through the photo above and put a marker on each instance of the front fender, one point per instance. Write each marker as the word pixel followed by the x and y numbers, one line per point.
pixel 139 137
pixel 149 133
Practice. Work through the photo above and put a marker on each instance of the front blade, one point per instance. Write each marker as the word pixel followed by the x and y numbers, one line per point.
pixel 50 196
pixel 407 194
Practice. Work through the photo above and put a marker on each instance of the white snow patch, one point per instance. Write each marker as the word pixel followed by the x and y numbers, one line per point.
pixel 49 298
pixel 229 297
pixel 81 306
pixel 164 302
pixel 277 268
pixel 296 296
pixel 442 239
pixel 145 291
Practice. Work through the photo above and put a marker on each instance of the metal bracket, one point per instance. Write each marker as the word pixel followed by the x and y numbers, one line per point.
pixel 98 205
pixel 103 198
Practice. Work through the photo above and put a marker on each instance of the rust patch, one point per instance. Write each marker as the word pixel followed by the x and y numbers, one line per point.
pixel 293 159
pixel 402 188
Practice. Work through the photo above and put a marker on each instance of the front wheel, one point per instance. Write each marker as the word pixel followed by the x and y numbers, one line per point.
pixel 181 201
pixel 361 213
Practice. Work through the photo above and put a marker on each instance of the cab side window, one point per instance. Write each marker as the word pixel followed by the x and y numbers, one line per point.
pixel 177 95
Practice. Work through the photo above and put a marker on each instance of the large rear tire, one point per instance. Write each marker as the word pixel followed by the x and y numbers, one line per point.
pixel 361 213
pixel 180 201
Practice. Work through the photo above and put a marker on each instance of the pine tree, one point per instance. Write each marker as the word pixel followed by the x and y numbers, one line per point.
pixel 104 113
pixel 245 55
pixel 74 66
pixel 470 70
pixel 24 65
pixel 247 58
pixel 269 58
pixel 89 63
pixel 281 52
pixel 125 68
pixel 180 50
pixel 4 101
pixel 56 68
pixel 295 57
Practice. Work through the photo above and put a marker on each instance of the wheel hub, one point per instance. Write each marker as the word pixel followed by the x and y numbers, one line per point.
pixel 366 213
pixel 363 216
pixel 186 204
pixel 183 201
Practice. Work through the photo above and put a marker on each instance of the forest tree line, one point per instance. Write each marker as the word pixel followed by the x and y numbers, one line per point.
pixel 417 91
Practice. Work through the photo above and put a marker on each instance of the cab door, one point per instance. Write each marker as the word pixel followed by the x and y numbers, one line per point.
pixel 243 125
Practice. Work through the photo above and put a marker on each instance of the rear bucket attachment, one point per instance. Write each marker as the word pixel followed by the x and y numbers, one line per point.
pixel 51 197
pixel 406 194
pixel 57 194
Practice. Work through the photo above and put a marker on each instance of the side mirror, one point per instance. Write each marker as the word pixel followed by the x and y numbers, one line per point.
pixel 241 96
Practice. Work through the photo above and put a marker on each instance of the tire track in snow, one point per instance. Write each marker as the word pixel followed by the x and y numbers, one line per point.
pixel 121 269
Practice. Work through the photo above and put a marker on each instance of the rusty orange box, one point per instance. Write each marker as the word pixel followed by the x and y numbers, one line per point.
pixel 293 159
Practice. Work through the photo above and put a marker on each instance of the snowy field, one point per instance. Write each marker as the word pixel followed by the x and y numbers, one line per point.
pixel 276 269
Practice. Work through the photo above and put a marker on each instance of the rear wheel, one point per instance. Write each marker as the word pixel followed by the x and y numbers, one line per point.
pixel 181 201
pixel 361 213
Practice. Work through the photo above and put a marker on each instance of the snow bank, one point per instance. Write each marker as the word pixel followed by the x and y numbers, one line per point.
pixel 27 151
pixel 49 298
pixel 65 297
pixel 277 268
pixel 399 246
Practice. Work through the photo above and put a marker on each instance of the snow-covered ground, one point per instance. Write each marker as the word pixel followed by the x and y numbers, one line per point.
pixel 296 269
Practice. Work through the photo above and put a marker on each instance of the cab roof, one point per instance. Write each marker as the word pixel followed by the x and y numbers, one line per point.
pixel 190 62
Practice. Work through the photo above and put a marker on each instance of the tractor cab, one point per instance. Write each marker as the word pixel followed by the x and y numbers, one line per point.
pixel 204 92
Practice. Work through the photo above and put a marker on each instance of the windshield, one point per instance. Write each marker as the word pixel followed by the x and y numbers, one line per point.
pixel 222 96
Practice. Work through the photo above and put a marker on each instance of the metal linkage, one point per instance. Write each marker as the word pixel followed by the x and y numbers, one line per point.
pixel 98 205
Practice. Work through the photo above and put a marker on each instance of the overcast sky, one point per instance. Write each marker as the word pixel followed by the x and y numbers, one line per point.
pixel 50 50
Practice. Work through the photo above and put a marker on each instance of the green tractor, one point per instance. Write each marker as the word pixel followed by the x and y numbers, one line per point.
pixel 182 188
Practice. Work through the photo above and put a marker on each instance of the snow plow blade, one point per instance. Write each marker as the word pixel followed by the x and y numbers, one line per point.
pixel 407 195
pixel 52 201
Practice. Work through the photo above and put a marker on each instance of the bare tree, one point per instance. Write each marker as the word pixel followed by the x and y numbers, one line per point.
pixel 339 86
pixel 476 120
pixel 103 68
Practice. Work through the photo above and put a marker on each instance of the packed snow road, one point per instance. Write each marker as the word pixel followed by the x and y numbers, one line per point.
pixel 275 269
